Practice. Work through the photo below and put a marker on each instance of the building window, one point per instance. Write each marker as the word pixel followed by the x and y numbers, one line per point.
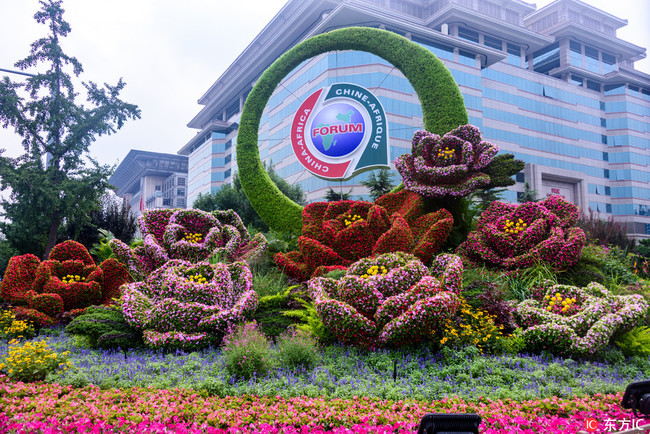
pixel 603 139
pixel 180 202
pixel 158 188
pixel 491 42
pixel 546 59
pixel 514 54
pixel 591 59
pixel 608 190
pixel 167 202
pixel 468 34
pixel 577 80
pixel 606 173
pixel 181 181
pixel 603 122
pixel 180 192
pixel 647 228
pixel 609 62
pixel 520 177
pixel 593 85
pixel 605 156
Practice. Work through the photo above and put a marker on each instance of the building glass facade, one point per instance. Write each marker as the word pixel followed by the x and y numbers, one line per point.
pixel 538 83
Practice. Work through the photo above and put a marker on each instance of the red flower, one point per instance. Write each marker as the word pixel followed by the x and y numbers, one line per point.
pixel 335 234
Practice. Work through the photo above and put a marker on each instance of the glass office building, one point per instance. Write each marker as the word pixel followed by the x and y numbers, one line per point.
pixel 554 86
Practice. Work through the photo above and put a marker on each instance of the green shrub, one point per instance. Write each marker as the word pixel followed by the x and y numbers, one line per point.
pixel 297 347
pixel 32 361
pixel 104 327
pixel 269 312
pixel 247 352
pixel 513 344
pixel 310 321
pixel 636 342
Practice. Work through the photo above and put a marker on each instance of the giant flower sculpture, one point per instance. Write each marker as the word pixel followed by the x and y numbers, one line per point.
pixel 514 236
pixel 446 166
pixel 188 234
pixel 188 305
pixel 388 300
pixel 68 280
pixel 335 234
pixel 577 321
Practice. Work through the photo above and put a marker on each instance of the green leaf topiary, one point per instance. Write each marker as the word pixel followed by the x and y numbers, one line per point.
pixel 443 108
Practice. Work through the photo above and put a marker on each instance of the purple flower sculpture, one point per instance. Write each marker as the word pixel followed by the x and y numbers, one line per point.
pixel 187 305
pixel 577 321
pixel 188 234
pixel 446 166
pixel 512 236
pixel 388 300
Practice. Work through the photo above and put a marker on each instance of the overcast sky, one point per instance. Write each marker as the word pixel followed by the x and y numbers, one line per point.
pixel 170 52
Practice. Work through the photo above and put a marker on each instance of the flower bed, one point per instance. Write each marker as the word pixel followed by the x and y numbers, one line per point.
pixel 51 406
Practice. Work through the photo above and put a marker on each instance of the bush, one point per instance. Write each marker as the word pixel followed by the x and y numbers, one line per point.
pixel 32 361
pixel 605 232
pixel 11 328
pixel 104 327
pixel 297 347
pixel 269 313
pixel 471 327
pixel 247 352
pixel 636 342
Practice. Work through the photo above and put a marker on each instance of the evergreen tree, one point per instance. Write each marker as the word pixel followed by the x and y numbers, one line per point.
pixel 333 196
pixel 529 195
pixel 42 110
pixel 380 184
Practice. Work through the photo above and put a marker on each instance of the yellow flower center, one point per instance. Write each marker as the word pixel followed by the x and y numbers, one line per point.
pixel 559 303
pixel 514 227
pixel 350 218
pixel 446 154
pixel 70 278
pixel 193 237
pixel 374 270
pixel 197 278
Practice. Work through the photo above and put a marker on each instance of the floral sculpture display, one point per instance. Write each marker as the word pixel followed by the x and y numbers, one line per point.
pixel 514 236
pixel 446 166
pixel 69 280
pixel 577 321
pixel 187 234
pixel 335 234
pixel 189 305
pixel 388 300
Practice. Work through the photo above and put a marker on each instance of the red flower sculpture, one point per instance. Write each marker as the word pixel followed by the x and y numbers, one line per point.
pixel 336 234
pixel 68 280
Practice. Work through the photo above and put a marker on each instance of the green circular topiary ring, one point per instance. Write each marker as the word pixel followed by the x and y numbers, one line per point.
pixel 443 108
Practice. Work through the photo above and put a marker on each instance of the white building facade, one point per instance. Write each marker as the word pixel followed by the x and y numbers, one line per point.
pixel 554 86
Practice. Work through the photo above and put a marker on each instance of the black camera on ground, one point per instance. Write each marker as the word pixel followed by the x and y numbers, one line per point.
pixel 637 397
pixel 456 423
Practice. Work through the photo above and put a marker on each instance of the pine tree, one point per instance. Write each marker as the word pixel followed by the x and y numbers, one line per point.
pixel 43 111
pixel 379 184
pixel 529 195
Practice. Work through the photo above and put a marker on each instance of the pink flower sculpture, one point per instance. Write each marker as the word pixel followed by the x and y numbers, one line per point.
pixel 514 236
pixel 446 166
pixel 188 234
pixel 188 305
pixel 388 300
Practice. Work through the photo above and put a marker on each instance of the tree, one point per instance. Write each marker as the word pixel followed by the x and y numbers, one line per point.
pixel 42 110
pixel 114 215
pixel 529 195
pixel 233 197
pixel 333 196
pixel 380 184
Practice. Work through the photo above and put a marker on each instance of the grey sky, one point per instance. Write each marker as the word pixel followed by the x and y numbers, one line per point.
pixel 170 52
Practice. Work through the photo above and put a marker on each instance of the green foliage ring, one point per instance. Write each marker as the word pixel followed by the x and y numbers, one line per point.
pixel 443 107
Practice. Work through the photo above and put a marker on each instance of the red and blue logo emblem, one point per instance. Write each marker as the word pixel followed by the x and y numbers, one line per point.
pixel 340 131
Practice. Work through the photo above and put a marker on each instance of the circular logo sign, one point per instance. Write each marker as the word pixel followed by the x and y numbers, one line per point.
pixel 337 129
pixel 340 131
